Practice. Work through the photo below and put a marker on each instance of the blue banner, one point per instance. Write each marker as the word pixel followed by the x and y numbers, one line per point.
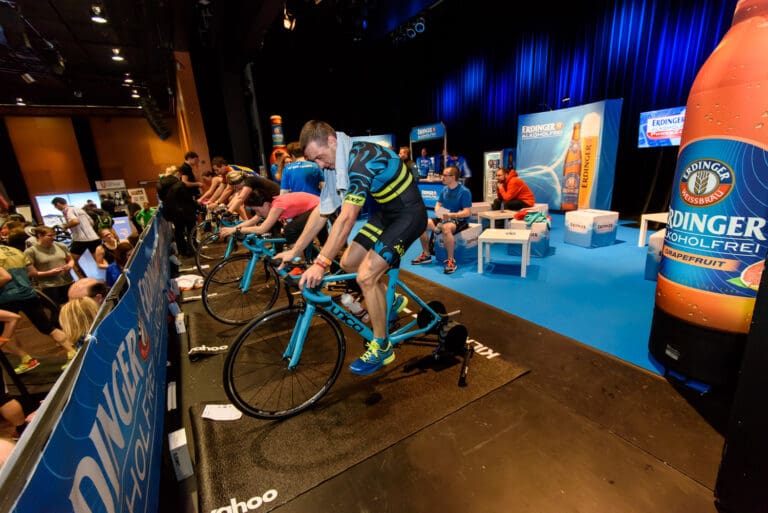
pixel 545 143
pixel 104 453
pixel 428 132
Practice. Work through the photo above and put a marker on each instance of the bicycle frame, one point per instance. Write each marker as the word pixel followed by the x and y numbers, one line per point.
pixel 256 245
pixel 315 298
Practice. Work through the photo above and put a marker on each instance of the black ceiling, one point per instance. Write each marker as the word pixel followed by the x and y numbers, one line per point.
pixel 68 57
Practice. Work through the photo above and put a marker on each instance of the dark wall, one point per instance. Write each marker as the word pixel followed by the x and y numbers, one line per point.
pixel 477 70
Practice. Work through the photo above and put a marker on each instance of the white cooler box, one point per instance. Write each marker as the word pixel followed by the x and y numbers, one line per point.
pixel 653 258
pixel 539 239
pixel 591 228
pixel 466 245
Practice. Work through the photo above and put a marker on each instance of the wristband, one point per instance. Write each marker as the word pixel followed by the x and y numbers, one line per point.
pixel 321 264
pixel 325 260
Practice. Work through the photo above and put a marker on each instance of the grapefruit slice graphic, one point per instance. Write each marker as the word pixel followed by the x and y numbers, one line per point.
pixel 751 275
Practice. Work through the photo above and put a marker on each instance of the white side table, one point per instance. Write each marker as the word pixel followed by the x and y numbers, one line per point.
pixel 494 235
pixel 660 217
pixel 494 215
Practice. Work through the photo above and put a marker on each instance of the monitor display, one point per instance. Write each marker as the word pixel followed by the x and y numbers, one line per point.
pixel 52 217
pixel 661 127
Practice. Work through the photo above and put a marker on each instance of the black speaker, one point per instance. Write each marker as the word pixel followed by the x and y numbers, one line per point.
pixel 154 117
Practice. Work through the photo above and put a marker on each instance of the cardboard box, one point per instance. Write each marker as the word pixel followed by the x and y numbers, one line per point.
pixel 466 245
pixel 539 239
pixel 653 257
pixel 182 463
pixel 591 228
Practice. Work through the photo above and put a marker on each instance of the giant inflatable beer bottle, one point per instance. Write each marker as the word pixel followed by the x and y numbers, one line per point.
pixel 715 244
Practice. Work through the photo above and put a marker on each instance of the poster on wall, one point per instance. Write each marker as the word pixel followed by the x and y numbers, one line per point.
pixel 114 190
pixel 568 156
pixel 138 195
pixel 491 162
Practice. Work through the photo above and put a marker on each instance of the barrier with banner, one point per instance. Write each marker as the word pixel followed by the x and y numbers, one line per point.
pixel 568 156
pixel 96 441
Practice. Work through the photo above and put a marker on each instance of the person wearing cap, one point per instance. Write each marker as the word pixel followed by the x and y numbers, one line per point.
pixel 355 171
pixel 187 173
pixel 244 184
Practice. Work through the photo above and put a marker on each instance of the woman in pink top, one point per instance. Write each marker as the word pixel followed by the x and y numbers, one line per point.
pixel 292 208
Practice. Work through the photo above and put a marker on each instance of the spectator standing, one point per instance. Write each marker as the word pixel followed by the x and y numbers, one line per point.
pixel 425 164
pixel 460 163
pixel 405 157
pixel 51 264
pixel 456 201
pixel 180 208
pixel 188 173
pixel 80 226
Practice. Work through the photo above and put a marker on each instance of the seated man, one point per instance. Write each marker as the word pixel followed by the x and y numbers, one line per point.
pixel 512 193
pixel 293 208
pixel 456 202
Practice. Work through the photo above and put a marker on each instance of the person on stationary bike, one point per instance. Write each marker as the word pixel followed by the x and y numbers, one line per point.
pixel 354 171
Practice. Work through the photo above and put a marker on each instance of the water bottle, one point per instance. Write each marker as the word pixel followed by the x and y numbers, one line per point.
pixel 354 306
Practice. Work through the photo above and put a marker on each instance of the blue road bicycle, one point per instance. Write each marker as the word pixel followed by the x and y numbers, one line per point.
pixel 242 286
pixel 285 360
pixel 212 248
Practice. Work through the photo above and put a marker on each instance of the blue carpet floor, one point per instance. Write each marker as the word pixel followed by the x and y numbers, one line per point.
pixel 596 296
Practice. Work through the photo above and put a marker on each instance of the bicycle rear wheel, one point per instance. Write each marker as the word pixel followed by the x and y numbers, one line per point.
pixel 257 379
pixel 225 298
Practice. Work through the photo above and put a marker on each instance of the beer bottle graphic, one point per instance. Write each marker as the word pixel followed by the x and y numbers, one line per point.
pixel 569 199
pixel 589 155
pixel 717 236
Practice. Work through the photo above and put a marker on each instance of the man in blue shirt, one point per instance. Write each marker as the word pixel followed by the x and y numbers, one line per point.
pixel 301 175
pixel 453 207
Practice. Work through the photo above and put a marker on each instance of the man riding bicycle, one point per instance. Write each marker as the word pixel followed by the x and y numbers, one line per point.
pixel 354 171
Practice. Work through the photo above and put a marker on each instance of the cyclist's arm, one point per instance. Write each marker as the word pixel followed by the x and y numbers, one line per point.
pixel 238 199
pixel 268 223
pixel 340 230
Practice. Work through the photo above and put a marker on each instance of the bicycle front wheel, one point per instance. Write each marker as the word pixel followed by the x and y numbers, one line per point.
pixel 257 379
pixel 232 297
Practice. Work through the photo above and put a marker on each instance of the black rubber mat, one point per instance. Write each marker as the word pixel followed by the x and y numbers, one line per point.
pixel 360 416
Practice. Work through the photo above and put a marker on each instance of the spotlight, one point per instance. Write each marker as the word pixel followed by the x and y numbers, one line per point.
pixel 29 79
pixel 116 55
pixel 97 14
pixel 419 25
pixel 20 102
pixel 289 22
pixel 135 94
pixel 410 32
pixel 128 79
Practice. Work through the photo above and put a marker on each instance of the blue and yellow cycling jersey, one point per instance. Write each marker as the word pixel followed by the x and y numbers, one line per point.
pixel 378 171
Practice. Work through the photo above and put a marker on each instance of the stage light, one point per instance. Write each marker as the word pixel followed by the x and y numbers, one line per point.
pixel 97 14
pixel 20 102
pixel 128 79
pixel 116 55
pixel 410 32
pixel 419 25
pixel 135 94
pixel 289 22
pixel 29 79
